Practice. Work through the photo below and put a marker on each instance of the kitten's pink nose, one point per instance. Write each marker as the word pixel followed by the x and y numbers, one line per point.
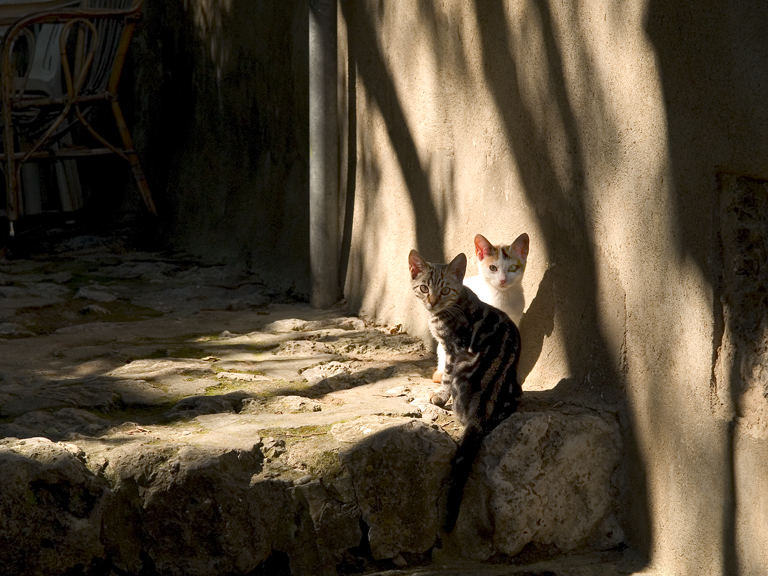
pixel 502 282
pixel 432 299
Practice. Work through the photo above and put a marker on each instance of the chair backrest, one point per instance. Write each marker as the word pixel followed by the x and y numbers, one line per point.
pixel 12 10
pixel 109 34
pixel 91 34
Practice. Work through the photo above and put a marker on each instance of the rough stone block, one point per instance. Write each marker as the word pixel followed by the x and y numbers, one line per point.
pixel 198 512
pixel 50 508
pixel 544 478
pixel 398 474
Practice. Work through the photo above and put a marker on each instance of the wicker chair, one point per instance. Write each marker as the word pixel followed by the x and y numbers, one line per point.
pixel 57 65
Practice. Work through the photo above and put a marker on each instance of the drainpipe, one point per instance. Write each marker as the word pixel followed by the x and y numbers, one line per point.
pixel 324 245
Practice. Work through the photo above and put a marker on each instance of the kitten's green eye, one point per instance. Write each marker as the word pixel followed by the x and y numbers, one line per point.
pixel 424 288
pixel 514 268
pixel 445 291
pixel 492 268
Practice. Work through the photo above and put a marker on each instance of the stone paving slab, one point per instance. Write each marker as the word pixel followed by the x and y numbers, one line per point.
pixel 175 418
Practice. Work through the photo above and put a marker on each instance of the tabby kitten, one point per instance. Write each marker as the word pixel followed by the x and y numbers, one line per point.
pixel 499 281
pixel 482 347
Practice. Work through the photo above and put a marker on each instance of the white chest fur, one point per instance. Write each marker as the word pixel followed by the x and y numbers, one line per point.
pixel 511 300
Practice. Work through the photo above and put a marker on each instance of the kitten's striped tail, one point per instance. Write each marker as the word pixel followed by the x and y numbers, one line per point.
pixel 461 468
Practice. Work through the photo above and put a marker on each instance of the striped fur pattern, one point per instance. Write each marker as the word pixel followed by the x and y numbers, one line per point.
pixel 482 347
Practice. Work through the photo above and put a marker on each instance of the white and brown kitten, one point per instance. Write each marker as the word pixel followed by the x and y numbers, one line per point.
pixel 498 282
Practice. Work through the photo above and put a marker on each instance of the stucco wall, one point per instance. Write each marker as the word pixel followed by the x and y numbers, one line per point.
pixel 603 130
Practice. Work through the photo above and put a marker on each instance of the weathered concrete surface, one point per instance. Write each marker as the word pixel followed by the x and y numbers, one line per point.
pixel 193 425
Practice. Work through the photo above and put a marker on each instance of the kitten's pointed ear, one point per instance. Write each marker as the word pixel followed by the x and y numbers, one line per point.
pixel 458 266
pixel 416 263
pixel 520 246
pixel 483 248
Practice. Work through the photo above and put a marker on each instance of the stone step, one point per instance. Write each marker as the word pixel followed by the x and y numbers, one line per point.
pixel 371 490
pixel 190 427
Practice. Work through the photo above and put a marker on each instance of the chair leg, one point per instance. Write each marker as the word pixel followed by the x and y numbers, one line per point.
pixel 12 196
pixel 13 192
pixel 133 158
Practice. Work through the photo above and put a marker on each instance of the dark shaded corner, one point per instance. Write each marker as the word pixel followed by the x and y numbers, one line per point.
pixel 221 116
pixel 350 175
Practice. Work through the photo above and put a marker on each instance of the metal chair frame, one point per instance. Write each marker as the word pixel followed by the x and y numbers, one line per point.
pixel 33 123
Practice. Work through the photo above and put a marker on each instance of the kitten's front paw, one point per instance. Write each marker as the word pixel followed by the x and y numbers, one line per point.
pixel 437 376
pixel 438 399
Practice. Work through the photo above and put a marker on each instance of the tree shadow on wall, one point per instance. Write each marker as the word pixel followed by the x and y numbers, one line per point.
pixel 717 117
pixel 537 323
pixel 569 289
pixel 571 281
pixel 373 70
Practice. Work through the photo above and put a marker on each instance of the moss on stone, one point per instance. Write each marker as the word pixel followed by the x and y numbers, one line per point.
pixel 308 445
pixel 225 386
pixel 326 464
